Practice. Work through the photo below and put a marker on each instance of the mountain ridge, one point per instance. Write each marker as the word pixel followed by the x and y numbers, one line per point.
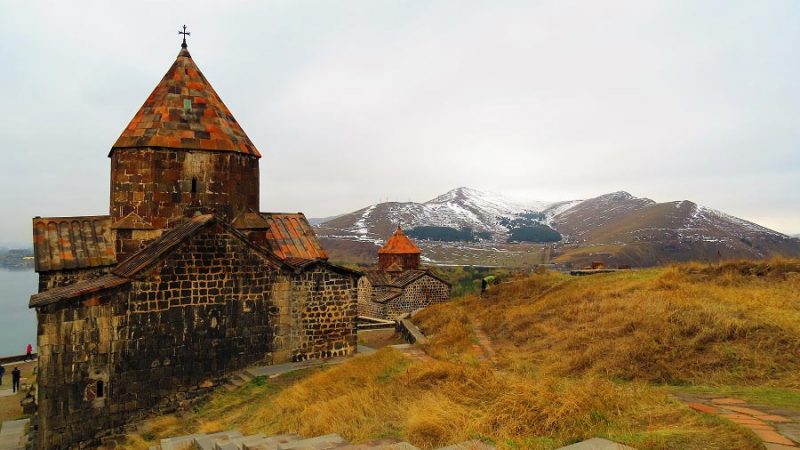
pixel 617 227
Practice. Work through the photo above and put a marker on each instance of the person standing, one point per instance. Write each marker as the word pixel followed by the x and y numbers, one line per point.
pixel 2 372
pixel 29 353
pixel 15 377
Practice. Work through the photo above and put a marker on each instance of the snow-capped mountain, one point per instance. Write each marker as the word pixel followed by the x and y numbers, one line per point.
pixel 460 208
pixel 616 227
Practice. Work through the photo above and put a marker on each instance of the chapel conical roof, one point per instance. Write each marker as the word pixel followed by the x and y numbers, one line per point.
pixel 184 112
pixel 399 244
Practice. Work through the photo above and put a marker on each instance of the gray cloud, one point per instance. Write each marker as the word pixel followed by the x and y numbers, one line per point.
pixel 354 101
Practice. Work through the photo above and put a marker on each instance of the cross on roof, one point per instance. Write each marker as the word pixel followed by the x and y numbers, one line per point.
pixel 184 33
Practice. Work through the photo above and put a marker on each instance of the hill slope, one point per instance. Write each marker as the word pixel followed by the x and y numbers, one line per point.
pixel 735 323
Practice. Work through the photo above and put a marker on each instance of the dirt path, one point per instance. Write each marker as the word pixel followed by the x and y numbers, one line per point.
pixel 484 347
pixel 778 429
pixel 414 352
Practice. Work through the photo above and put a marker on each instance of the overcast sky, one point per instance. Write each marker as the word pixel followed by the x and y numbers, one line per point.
pixel 352 102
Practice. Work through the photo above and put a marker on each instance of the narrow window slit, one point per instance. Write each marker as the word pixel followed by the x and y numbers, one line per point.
pixel 194 185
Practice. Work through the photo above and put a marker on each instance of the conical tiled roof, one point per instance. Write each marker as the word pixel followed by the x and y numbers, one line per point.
pixel 185 112
pixel 399 244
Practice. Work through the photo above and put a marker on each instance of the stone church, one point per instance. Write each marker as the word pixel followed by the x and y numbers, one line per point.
pixel 183 282
pixel 398 285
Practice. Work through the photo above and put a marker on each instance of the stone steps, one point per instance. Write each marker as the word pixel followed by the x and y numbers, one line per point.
pixel 233 440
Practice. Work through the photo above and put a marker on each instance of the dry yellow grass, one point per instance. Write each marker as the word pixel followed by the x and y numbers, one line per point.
pixel 578 357
pixel 684 324
pixel 439 403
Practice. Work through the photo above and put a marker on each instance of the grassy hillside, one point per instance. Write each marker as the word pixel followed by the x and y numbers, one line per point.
pixel 575 357
pixel 735 323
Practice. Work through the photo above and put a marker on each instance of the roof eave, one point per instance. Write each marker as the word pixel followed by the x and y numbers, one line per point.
pixel 256 155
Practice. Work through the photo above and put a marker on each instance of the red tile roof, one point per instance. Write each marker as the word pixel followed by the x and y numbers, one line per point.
pixel 291 236
pixel 185 112
pixel 72 243
pixel 399 244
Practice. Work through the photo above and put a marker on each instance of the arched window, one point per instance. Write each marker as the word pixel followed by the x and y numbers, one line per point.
pixel 100 389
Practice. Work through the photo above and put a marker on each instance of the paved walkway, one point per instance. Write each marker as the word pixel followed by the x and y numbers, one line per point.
pixel 778 429
pixel 12 435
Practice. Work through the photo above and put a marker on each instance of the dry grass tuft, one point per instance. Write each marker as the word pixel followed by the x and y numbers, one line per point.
pixel 776 268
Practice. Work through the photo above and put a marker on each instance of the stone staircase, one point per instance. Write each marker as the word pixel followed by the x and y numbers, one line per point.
pixel 233 440
pixel 243 377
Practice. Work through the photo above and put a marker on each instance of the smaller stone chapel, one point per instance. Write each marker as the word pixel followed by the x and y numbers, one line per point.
pixel 399 285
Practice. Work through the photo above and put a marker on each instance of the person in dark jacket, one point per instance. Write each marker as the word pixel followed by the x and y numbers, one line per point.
pixel 2 372
pixel 15 377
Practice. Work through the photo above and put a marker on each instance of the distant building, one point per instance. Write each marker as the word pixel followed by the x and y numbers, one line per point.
pixel 398 285
pixel 183 283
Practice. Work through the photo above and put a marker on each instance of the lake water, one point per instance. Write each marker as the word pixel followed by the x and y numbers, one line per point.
pixel 17 322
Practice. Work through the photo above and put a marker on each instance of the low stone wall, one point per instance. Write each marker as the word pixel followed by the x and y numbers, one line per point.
pixel 411 333
pixel 17 358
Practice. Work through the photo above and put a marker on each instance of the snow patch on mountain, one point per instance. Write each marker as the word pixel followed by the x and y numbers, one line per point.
pixel 360 226
pixel 461 208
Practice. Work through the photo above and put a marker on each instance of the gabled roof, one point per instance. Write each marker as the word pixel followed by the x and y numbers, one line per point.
pixel 381 278
pixel 385 296
pixel 399 244
pixel 290 235
pixel 61 243
pixel 169 240
pixel 407 277
pixel 184 112
pixel 54 295
pixel 378 278
pixel 301 264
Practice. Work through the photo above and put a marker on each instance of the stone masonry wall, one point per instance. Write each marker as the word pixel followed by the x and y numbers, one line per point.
pixel 212 306
pixel 324 301
pixel 422 293
pixel 161 185
pixel 127 242
pixel 365 304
